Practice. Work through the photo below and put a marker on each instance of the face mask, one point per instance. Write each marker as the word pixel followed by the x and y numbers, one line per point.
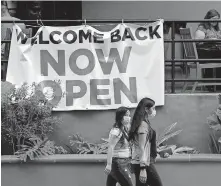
pixel 126 119
pixel 153 114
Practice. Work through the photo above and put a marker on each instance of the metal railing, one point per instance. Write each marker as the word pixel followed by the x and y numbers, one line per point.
pixel 171 62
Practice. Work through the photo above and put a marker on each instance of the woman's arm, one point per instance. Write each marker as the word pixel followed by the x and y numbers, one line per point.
pixel 143 133
pixel 112 143
pixel 142 142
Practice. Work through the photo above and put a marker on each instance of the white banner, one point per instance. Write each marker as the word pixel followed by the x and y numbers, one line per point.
pixel 96 70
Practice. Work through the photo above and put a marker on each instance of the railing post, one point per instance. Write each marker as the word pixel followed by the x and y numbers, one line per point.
pixel 173 57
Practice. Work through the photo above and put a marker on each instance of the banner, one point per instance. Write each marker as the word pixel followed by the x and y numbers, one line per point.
pixel 89 69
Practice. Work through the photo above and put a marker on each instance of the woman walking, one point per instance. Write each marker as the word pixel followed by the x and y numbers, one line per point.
pixel 119 151
pixel 144 149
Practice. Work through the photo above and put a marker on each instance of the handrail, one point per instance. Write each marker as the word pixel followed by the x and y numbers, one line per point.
pixel 192 40
pixel 170 40
pixel 109 21
pixel 193 60
pixel 194 80
pixel 171 60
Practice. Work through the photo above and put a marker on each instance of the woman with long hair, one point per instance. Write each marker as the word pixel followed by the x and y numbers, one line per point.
pixel 119 151
pixel 144 150
pixel 209 30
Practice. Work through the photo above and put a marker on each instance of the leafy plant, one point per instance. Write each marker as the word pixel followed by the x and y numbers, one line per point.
pixel 214 144
pixel 35 148
pixel 26 112
pixel 214 122
pixel 84 147
pixel 167 134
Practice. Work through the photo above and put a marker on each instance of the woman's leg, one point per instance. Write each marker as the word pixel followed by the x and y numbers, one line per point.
pixel 124 178
pixel 122 173
pixel 153 178
pixel 111 178
pixel 111 181
pixel 137 175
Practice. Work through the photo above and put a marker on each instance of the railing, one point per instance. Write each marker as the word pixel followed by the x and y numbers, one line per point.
pixel 171 62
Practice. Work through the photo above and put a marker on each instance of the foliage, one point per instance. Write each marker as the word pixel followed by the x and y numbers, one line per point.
pixel 27 113
pixel 35 148
pixel 84 147
pixel 214 144
pixel 214 122
pixel 167 134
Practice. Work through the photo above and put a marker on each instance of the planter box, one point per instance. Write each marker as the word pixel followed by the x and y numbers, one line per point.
pixel 87 170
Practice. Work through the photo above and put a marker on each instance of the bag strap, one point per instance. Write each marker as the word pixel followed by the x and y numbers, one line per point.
pixel 125 134
pixel 149 132
pixel 218 119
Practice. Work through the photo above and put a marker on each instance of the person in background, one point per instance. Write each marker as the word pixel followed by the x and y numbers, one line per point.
pixel 5 16
pixel 119 151
pixel 144 149
pixel 209 30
